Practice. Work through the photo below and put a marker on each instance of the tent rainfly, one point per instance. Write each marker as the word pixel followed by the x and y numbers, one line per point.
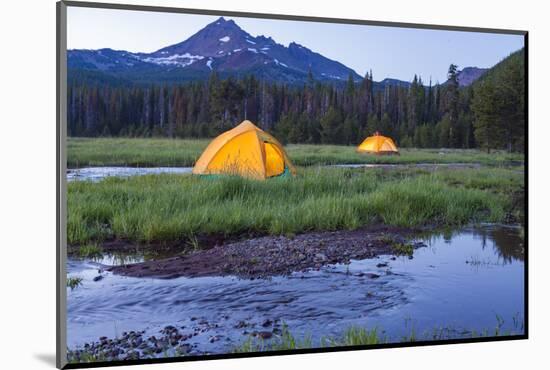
pixel 245 151
pixel 378 144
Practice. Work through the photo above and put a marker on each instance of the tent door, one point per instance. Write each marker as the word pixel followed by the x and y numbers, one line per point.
pixel 274 161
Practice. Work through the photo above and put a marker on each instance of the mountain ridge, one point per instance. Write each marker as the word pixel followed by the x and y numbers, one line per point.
pixel 222 46
pixel 225 47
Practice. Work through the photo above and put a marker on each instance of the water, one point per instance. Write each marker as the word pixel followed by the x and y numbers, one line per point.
pixel 100 173
pixel 461 282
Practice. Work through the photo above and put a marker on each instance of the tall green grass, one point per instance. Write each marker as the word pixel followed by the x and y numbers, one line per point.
pixel 307 155
pixel 74 282
pixel 82 152
pixel 358 336
pixel 149 152
pixel 175 207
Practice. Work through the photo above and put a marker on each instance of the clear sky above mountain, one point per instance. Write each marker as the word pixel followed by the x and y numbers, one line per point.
pixel 389 51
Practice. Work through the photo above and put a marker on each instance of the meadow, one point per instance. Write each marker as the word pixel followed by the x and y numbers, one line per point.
pixel 167 207
pixel 183 210
pixel 152 152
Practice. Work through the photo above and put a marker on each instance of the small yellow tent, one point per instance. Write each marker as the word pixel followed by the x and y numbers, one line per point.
pixel 246 151
pixel 378 144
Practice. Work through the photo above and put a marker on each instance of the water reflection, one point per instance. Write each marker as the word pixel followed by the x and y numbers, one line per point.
pixel 95 174
pixel 506 241
pixel 139 254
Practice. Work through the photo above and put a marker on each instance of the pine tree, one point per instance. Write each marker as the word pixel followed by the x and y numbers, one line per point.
pixel 349 130
pixel 452 96
pixel 488 131
pixel 488 114
pixel 331 132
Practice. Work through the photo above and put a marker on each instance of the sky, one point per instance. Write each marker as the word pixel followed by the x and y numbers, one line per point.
pixel 390 52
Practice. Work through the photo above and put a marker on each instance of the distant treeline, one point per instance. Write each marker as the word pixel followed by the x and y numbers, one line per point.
pixel 488 114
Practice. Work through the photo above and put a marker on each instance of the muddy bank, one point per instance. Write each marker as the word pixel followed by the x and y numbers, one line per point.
pixel 277 255
pixel 158 249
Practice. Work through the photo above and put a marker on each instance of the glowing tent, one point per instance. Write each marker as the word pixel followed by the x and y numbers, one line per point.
pixel 246 151
pixel 378 144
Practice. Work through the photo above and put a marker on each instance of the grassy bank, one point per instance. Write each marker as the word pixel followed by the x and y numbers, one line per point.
pixel 84 152
pixel 353 336
pixel 176 207
pixel 357 336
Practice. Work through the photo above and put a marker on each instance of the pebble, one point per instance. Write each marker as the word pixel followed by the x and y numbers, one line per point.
pixel 265 334
pixel 133 345
pixel 277 255
pixel 320 257
pixel 215 338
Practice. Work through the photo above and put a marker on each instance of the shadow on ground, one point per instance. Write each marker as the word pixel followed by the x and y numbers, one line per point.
pixel 47 358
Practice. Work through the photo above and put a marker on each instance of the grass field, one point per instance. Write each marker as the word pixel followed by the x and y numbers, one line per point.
pixel 179 207
pixel 84 152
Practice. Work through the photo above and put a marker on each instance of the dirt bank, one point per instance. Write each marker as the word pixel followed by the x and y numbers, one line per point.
pixel 277 255
pixel 157 249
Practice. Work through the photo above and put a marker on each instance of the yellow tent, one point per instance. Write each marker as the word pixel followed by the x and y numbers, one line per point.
pixel 378 144
pixel 246 151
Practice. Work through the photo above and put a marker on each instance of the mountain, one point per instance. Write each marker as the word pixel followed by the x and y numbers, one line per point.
pixel 469 75
pixel 393 82
pixel 221 46
pixel 229 50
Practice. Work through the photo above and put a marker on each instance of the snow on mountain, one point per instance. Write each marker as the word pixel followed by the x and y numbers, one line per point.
pixel 181 60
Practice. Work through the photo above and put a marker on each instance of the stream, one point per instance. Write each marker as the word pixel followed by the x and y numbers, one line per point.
pixel 471 279
pixel 99 173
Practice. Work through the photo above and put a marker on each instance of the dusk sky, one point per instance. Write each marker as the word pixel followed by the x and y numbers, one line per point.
pixel 389 51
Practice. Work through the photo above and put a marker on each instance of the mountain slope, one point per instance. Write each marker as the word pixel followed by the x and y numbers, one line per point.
pixel 469 75
pixel 517 57
pixel 224 47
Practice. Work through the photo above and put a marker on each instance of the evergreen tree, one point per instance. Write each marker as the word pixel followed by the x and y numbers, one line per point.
pixel 489 114
pixel 349 130
pixel 452 97
pixel 489 131
pixel 331 129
